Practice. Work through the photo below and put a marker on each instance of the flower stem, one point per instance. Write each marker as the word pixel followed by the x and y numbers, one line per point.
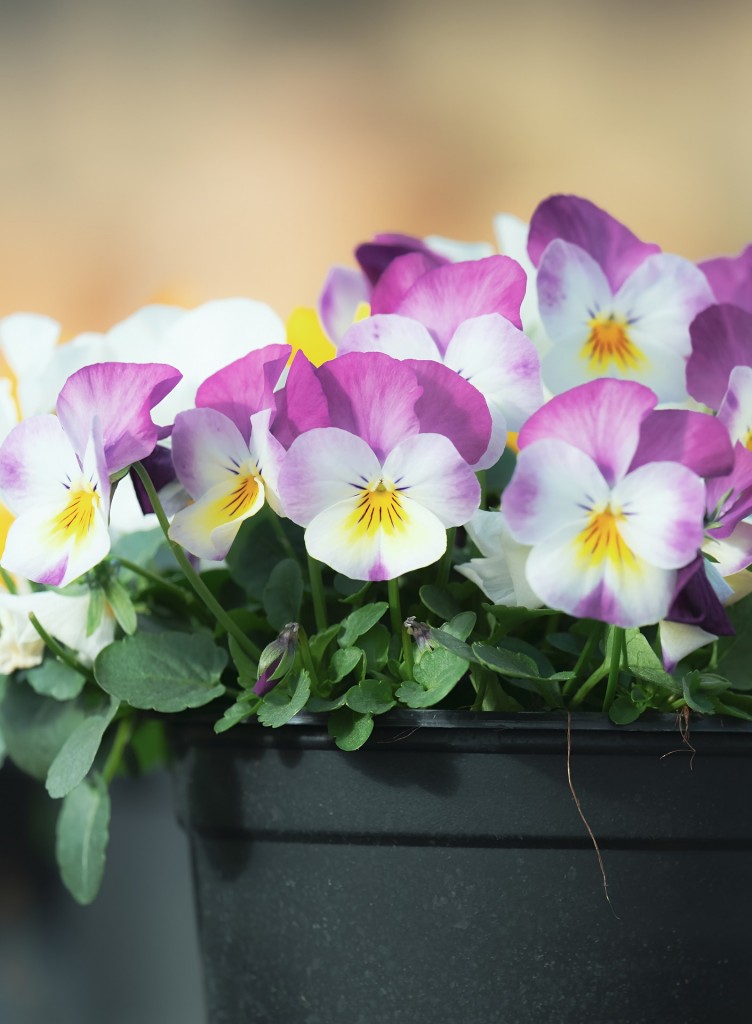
pixel 481 475
pixel 10 583
pixel 590 645
pixel 617 646
pixel 442 575
pixel 284 540
pixel 307 658
pixel 157 580
pixel 317 593
pixel 122 738
pixel 398 625
pixel 190 573
pixel 600 673
pixel 60 653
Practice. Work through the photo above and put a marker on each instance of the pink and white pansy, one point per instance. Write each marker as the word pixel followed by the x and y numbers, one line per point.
pixel 380 470
pixel 224 455
pixel 55 470
pixel 611 305
pixel 462 316
pixel 606 492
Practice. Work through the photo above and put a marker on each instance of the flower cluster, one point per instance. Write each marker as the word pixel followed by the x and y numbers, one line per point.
pixel 538 461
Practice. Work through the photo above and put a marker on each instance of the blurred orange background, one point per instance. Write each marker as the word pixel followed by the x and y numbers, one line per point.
pixel 195 150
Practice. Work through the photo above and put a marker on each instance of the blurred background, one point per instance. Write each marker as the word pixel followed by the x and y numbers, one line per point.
pixel 205 148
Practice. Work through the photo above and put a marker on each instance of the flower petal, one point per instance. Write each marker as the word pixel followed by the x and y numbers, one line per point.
pixel 501 363
pixel 28 342
pixel 208 527
pixel 613 246
pixel 452 406
pixel 664 506
pixel 442 298
pixel 678 639
pixel 323 467
pixel 730 277
pixel 395 335
pixel 382 553
pixel 301 404
pixel 429 471
pixel 245 386
pixel 121 396
pixel 208 451
pixel 695 439
pixel 344 290
pixel 371 395
pixel 397 279
pixel 36 459
pixel 602 418
pixel 721 339
pixel 735 412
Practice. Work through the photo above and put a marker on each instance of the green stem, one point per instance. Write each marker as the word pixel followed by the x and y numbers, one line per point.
pixel 284 540
pixel 600 673
pixel 122 738
pixel 158 581
pixel 190 573
pixel 60 653
pixel 584 658
pixel 481 475
pixel 618 639
pixel 317 593
pixel 8 580
pixel 442 575
pixel 307 657
pixel 398 625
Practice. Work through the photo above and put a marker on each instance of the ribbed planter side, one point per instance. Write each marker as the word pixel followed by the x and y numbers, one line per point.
pixel 442 873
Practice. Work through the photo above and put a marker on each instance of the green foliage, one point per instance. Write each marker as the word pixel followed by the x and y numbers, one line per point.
pixel 76 756
pixel 285 700
pixel 283 594
pixel 360 621
pixel 349 728
pixel 82 834
pixel 435 676
pixel 54 679
pixel 35 728
pixel 169 672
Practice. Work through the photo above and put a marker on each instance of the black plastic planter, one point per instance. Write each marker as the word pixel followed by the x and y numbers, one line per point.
pixel 442 874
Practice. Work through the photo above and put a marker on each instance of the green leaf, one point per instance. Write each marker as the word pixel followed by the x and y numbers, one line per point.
pixel 247 668
pixel 506 663
pixel 566 642
pixel 543 666
pixel 35 727
pixel 283 593
pixel 95 609
pixel 55 679
pixel 375 646
pixel 140 546
pixel 344 661
pixel 372 696
pixel 693 695
pixel 435 675
pixel 149 745
pixel 349 729
pixel 735 652
pixel 121 605
pixel 461 626
pixel 440 602
pixel 233 715
pixel 360 621
pixel 353 591
pixel 82 834
pixel 165 672
pixel 76 756
pixel 285 700
pixel 453 644
pixel 624 710
pixel 318 704
pixel 257 550
pixel 643 662
pixel 320 641
pixel 510 618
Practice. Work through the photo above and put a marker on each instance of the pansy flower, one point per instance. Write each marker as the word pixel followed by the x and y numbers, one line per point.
pixel 377 464
pixel 611 305
pixel 224 455
pixel 606 492
pixel 55 470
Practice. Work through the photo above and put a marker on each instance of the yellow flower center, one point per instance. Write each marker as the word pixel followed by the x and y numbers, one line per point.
pixel 239 500
pixel 608 343
pixel 601 540
pixel 379 508
pixel 77 518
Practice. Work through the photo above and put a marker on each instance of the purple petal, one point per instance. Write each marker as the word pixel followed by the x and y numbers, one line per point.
pixel 246 386
pixel 695 439
pixel 721 339
pixel 733 493
pixel 371 395
pixel 696 603
pixel 444 298
pixel 575 220
pixel 398 279
pixel 344 290
pixel 376 256
pixel 602 418
pixel 730 277
pixel 452 406
pixel 301 404
pixel 161 473
pixel 121 397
